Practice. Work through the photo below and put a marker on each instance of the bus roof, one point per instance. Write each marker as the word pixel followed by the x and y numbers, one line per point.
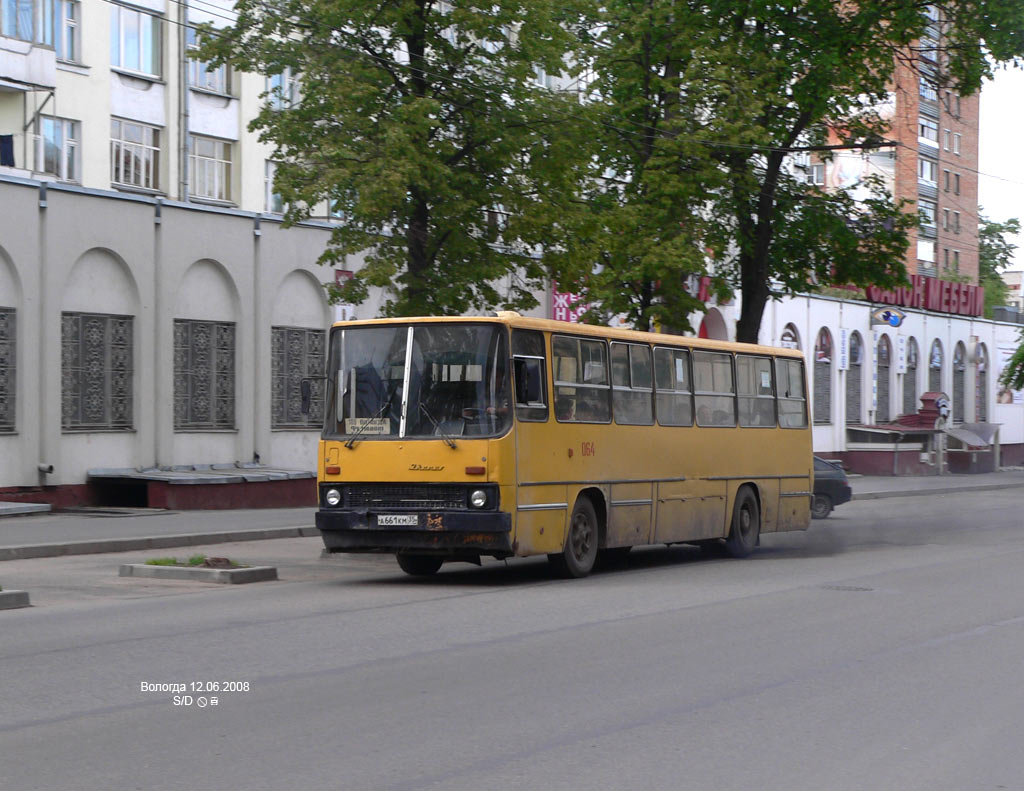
pixel 513 319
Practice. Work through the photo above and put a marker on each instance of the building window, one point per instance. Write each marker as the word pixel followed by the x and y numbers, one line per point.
pixel 96 372
pixel 7 368
pixel 28 20
pixel 959 382
pixel 935 367
pixel 816 174
pixel 273 203
pixel 853 380
pixel 66 41
pixel 927 171
pixel 201 74
pixel 946 134
pixel 790 338
pixel 823 377
pixel 927 209
pixel 945 219
pixel 956 260
pixel 56 147
pixel 204 375
pixel 134 154
pixel 296 353
pixel 956 183
pixel 135 40
pixel 945 180
pixel 209 166
pixel 926 252
pixel 928 132
pixel 884 361
pixel 956 143
pixel 910 380
pixel 283 89
pixel 956 222
pixel 926 90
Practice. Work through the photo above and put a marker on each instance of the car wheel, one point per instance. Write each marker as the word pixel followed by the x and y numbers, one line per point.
pixel 746 525
pixel 419 565
pixel 821 506
pixel 580 553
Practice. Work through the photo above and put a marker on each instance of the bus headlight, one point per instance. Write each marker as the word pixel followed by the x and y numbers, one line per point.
pixel 332 497
pixel 478 499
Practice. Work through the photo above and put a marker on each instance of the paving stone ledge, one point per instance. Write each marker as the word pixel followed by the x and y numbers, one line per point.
pixel 200 574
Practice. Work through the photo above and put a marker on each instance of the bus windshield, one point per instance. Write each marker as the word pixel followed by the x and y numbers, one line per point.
pixel 451 378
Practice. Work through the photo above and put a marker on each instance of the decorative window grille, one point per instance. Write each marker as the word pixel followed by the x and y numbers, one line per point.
pixel 910 380
pixel 204 375
pixel 296 353
pixel 884 364
pixel 981 386
pixel 959 382
pixel 853 380
pixel 7 369
pixel 823 377
pixel 96 371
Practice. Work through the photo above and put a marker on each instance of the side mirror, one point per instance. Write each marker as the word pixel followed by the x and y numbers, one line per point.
pixel 306 392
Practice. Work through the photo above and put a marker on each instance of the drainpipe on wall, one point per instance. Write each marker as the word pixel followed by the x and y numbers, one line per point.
pixel 183 101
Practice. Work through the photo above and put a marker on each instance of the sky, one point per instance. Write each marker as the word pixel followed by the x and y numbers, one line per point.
pixel 1001 151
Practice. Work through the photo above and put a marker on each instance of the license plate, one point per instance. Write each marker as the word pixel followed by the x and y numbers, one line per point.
pixel 397 520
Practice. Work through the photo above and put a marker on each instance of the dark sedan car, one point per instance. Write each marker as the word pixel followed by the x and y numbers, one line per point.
pixel 831 488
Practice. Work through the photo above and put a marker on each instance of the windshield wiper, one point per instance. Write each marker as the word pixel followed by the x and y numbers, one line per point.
pixel 437 427
pixel 384 408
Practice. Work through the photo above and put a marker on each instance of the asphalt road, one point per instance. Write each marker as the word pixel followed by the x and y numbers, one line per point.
pixel 881 650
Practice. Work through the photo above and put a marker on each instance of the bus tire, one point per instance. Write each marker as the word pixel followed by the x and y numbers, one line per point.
pixel 746 524
pixel 419 565
pixel 580 553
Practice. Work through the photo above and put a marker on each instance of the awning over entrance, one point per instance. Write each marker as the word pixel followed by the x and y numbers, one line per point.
pixel 975 435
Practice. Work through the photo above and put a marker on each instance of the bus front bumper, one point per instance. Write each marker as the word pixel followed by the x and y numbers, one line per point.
pixel 450 533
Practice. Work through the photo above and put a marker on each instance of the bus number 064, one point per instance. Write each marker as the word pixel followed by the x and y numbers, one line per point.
pixel 587 449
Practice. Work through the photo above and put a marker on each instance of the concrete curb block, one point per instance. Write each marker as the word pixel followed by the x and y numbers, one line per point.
pixel 102 545
pixel 12 600
pixel 982 487
pixel 200 574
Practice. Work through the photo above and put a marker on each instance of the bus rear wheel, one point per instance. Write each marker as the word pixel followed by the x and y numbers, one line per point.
pixel 746 525
pixel 577 560
pixel 419 565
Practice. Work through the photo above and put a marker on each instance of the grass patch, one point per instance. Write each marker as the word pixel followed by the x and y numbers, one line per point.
pixel 197 561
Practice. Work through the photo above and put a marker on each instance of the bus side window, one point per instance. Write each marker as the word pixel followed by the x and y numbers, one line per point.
pixel 531 401
pixel 529 375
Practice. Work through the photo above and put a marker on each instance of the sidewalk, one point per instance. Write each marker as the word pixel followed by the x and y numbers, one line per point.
pixel 113 530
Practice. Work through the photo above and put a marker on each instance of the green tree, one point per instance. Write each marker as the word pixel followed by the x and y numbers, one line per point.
pixel 1013 374
pixel 995 253
pixel 705 103
pixel 421 122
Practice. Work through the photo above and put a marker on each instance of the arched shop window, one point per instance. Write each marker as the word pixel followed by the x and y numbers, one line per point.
pixel 959 382
pixel 981 386
pixel 935 367
pixel 823 377
pixel 853 379
pixel 910 379
pixel 790 338
pixel 884 361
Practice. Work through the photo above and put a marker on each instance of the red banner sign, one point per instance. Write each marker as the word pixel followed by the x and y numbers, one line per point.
pixel 929 293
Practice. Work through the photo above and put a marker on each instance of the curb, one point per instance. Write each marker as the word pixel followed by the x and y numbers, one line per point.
pixel 196 574
pixel 982 487
pixel 12 600
pixel 98 546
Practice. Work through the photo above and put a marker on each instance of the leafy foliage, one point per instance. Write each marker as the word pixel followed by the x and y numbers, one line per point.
pixel 995 252
pixel 702 106
pixel 421 123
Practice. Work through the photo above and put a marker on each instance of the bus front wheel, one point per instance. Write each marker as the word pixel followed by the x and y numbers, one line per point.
pixel 419 565
pixel 577 560
pixel 746 525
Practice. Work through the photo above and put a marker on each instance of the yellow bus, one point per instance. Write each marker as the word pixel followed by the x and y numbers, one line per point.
pixel 452 439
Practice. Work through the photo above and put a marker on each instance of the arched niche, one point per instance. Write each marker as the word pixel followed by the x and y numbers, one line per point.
pixel 712 326
pixel 300 301
pixel 207 293
pixel 100 282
